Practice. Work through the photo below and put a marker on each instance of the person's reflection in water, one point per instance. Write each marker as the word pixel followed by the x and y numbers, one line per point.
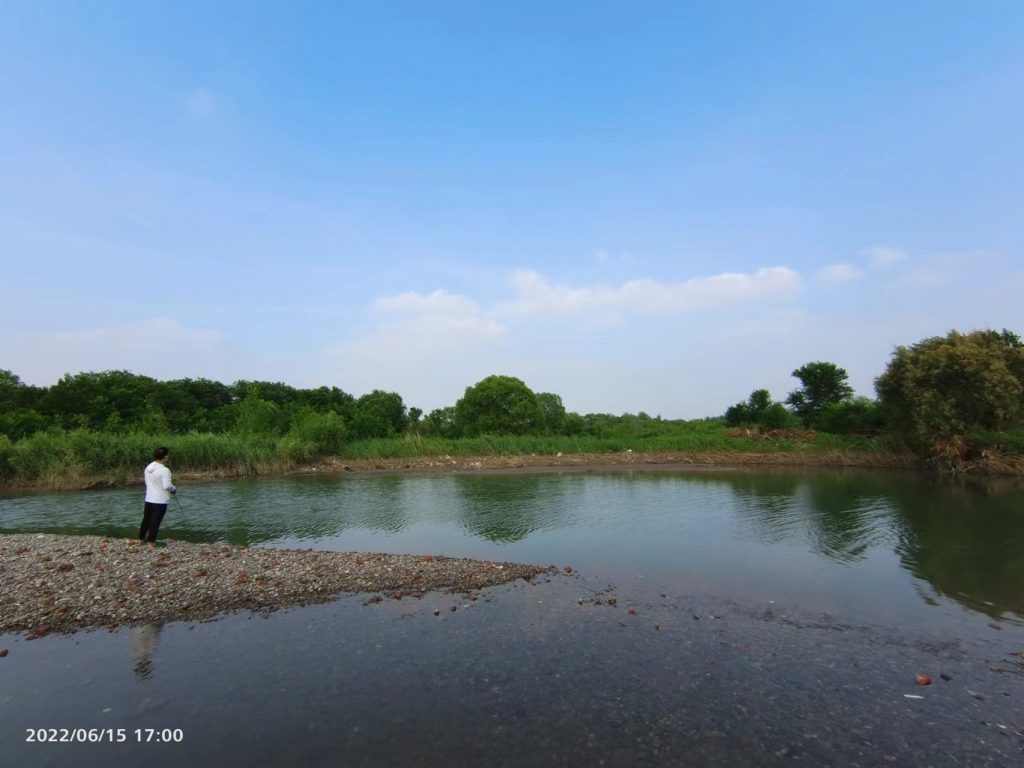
pixel 143 645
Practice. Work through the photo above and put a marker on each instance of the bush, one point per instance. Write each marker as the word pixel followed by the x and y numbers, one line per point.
pixel 860 416
pixel 777 416
pixel 323 432
pixel 294 448
pixel 39 454
pixel 6 453
pixel 943 388
pixel 760 411
pixel 258 417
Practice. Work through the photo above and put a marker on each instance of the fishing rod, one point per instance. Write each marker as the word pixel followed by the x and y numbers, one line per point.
pixel 181 509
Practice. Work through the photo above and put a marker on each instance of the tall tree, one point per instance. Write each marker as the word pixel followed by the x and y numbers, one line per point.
pixel 944 387
pixel 823 384
pixel 498 405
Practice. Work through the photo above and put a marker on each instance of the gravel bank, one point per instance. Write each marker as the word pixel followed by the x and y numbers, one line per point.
pixel 52 583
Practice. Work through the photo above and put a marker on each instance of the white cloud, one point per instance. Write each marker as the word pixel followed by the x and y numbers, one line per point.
pixel 537 296
pixel 424 346
pixel 430 346
pixel 439 303
pixel 839 273
pixel 883 256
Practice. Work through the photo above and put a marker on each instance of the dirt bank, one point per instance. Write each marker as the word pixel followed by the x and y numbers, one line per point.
pixel 607 460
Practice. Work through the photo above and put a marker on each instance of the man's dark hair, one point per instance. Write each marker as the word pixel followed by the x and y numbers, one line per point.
pixel 160 453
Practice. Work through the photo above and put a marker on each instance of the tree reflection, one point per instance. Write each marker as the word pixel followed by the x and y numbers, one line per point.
pixel 507 508
pixel 966 539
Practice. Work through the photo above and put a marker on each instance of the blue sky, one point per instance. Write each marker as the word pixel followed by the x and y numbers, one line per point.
pixel 642 206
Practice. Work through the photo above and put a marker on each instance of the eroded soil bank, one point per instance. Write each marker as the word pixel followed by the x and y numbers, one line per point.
pixel 598 461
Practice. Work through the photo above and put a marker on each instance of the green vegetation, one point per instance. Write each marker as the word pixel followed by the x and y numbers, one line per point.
pixel 956 400
pixel 760 411
pixel 944 393
pixel 823 385
pixel 499 405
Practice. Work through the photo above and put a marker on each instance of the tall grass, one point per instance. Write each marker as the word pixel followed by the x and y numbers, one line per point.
pixel 513 445
pixel 79 458
pixel 60 459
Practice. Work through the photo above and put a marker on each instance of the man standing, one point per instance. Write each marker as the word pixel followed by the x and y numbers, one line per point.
pixel 158 490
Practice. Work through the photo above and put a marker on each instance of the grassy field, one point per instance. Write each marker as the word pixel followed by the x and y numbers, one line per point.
pixel 85 458
pixel 81 458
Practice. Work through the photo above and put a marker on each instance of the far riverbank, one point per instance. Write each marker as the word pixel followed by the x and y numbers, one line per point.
pixel 72 477
pixel 76 479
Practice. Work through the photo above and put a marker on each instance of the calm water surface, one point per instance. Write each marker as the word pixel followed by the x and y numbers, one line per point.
pixel 893 547
pixel 762 619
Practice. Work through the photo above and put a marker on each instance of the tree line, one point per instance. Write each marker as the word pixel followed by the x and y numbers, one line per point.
pixel 946 397
pixel 942 397
pixel 120 402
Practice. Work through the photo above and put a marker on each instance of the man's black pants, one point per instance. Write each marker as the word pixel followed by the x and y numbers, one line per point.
pixel 152 516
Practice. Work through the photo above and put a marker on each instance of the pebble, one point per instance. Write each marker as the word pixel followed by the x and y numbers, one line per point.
pixel 115 581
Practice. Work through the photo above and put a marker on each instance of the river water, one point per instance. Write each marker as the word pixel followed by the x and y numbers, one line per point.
pixel 775 615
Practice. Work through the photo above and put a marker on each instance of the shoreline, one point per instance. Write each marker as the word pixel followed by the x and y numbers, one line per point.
pixel 608 461
pixel 54 583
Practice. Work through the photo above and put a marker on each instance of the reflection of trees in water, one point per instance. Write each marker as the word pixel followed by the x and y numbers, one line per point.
pixel 846 515
pixel 506 508
pixel 313 508
pixel 966 539
pixel 839 516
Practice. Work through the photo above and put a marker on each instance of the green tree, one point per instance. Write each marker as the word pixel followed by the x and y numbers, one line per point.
pixel 414 417
pixel 270 391
pixel 328 399
pixel 823 384
pixel 378 414
pixel 552 412
pixel 10 390
pixel 942 388
pixel 90 399
pixel 751 411
pixel 498 405
pixel 440 422
pixel 18 417
pixel 256 416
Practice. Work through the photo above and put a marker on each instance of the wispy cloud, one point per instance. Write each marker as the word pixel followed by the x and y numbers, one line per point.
pixel 161 334
pixel 435 344
pixel 439 303
pixel 538 296
pixel 883 257
pixel 431 344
